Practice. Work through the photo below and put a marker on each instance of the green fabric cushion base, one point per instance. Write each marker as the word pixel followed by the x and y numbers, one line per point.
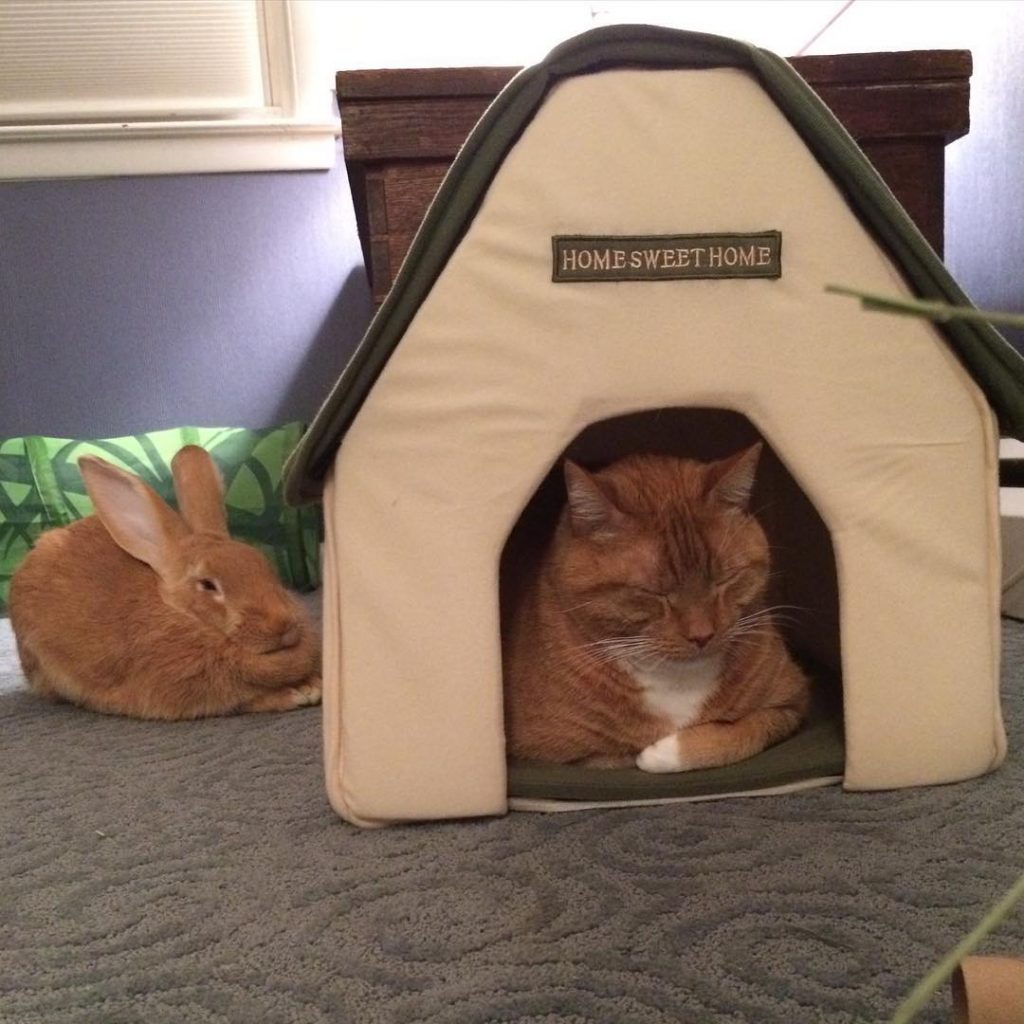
pixel 816 752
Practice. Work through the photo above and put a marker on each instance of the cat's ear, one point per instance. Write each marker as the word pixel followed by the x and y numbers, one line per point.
pixel 591 510
pixel 732 479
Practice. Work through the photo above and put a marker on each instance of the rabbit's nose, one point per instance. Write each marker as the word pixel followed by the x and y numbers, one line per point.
pixel 290 635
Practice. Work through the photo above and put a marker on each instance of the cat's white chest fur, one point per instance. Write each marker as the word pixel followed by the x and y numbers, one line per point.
pixel 677 690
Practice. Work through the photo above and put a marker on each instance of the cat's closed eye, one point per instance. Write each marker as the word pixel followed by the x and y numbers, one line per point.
pixel 741 582
pixel 641 604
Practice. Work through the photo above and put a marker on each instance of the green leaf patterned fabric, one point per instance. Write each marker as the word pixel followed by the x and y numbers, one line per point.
pixel 41 488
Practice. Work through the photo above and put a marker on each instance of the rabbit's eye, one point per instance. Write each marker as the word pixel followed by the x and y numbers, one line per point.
pixel 208 584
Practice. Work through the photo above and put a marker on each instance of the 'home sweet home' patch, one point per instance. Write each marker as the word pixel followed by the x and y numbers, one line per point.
pixel 666 257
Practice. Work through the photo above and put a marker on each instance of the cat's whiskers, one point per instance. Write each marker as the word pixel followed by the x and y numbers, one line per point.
pixel 747 640
pixel 753 628
pixel 771 613
pixel 615 641
pixel 616 649
pixel 583 657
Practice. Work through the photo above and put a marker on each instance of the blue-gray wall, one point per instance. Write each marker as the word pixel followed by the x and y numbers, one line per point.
pixel 134 304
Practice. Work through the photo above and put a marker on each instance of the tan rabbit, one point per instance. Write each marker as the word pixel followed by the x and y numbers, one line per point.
pixel 139 610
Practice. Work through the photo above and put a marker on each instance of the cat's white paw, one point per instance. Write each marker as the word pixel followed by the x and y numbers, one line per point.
pixel 307 694
pixel 663 756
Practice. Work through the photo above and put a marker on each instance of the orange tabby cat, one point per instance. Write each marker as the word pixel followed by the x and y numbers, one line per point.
pixel 645 638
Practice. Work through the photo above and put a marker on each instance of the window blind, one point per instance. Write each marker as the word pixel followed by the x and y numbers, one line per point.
pixel 79 59
pixel 113 75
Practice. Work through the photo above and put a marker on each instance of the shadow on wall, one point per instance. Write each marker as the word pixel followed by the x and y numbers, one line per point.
pixel 341 330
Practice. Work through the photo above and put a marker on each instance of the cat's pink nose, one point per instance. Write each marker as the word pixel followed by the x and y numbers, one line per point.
pixel 701 640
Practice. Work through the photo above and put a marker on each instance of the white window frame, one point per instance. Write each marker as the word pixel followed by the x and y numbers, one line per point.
pixel 296 130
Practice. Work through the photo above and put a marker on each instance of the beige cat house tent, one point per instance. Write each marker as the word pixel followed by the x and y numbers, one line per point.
pixel 631 252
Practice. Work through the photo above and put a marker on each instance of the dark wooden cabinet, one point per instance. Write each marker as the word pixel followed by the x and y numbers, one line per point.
pixel 402 128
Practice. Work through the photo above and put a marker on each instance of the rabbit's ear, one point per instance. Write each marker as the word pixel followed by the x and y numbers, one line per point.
pixel 200 490
pixel 137 518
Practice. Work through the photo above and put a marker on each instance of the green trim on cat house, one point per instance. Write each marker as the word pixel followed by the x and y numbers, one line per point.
pixel 485 365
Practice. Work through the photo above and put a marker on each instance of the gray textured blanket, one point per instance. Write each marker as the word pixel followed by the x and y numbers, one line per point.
pixel 194 872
